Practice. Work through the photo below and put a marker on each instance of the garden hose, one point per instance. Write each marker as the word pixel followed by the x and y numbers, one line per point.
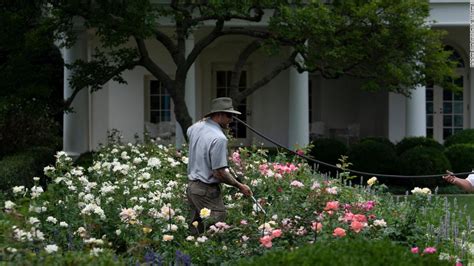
pixel 315 161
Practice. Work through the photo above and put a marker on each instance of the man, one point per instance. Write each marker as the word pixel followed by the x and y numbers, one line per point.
pixel 207 165
pixel 465 184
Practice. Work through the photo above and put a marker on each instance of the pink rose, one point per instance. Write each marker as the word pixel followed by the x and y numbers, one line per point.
pixel 339 232
pixel 360 218
pixel 357 226
pixel 317 226
pixel 415 250
pixel 332 206
pixel 266 241
pixel 276 233
pixel 429 250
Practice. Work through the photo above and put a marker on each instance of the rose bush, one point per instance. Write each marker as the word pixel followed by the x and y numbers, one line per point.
pixel 131 202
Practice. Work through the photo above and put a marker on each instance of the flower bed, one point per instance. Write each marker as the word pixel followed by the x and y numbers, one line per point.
pixel 130 206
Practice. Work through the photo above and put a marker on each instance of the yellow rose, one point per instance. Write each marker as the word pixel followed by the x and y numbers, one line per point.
pixel 195 224
pixel 167 237
pixel 147 230
pixel 372 181
pixel 204 213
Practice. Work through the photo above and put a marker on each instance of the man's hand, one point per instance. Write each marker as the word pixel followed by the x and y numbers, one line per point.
pixel 450 178
pixel 245 190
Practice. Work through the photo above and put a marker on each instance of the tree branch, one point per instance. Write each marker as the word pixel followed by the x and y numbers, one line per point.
pixel 266 79
pixel 146 62
pixel 237 71
pixel 198 48
pixel 100 82
pixel 169 45
pixel 255 18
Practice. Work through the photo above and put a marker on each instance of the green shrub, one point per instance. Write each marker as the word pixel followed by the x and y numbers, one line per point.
pixel 421 160
pixel 25 124
pixel 410 142
pixel 328 151
pixel 373 156
pixel 347 252
pixel 461 157
pixel 85 160
pixel 19 169
pixel 465 136
pixel 382 140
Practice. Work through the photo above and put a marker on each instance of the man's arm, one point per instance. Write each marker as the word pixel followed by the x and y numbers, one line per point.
pixel 224 176
pixel 459 182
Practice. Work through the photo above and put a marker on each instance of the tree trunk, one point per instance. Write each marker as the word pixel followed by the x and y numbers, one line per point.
pixel 180 109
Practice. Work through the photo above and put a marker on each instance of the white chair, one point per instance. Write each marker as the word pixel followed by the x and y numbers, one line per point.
pixel 151 129
pixel 166 130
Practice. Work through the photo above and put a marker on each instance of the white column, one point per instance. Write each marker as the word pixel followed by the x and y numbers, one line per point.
pixel 396 116
pixel 76 123
pixel 298 122
pixel 470 89
pixel 416 113
pixel 190 92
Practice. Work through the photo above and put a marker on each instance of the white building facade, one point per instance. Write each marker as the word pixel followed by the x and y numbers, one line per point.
pixel 290 109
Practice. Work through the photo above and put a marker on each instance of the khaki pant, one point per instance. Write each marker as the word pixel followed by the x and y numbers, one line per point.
pixel 201 195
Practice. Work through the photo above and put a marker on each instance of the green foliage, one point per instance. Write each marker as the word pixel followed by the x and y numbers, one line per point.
pixel 19 169
pixel 328 150
pixel 461 157
pixel 26 123
pixel 85 160
pixel 422 160
pixel 70 258
pixel 346 252
pixel 31 65
pixel 465 136
pixel 373 156
pixel 389 44
pixel 132 202
pixel 410 142
pixel 382 140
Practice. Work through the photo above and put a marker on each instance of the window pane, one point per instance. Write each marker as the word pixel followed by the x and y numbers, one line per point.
pixel 154 116
pixel 447 107
pixel 447 95
pixel 456 130
pixel 458 106
pixel 447 121
pixel 220 79
pixel 429 121
pixel 458 121
pixel 429 94
pixel 429 107
pixel 458 96
pixel 221 92
pixel 459 81
pixel 165 116
pixel 165 102
pixel 429 132
pixel 154 102
pixel 154 86
pixel 447 132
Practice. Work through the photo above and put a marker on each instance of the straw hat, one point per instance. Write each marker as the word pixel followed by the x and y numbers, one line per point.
pixel 222 105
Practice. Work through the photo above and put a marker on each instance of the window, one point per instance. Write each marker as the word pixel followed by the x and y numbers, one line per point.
pixel 223 79
pixel 160 103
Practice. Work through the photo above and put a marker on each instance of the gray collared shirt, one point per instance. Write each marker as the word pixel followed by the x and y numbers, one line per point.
pixel 207 150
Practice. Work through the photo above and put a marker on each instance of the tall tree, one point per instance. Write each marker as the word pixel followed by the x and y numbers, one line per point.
pixel 388 43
